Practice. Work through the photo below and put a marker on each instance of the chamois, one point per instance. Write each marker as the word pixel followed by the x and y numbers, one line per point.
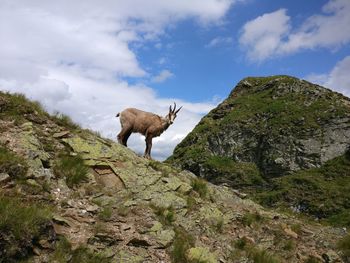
pixel 149 124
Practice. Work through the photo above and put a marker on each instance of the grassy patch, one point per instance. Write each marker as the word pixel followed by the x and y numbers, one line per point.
pixel 240 244
pixel 200 186
pixel 165 215
pixel 322 192
pixel 182 242
pixel 312 259
pixel 16 107
pixel 191 202
pixel 72 168
pixel 262 256
pixel 65 121
pixel 251 218
pixel 106 213
pixel 344 246
pixel 238 174
pixel 256 255
pixel 64 253
pixel 12 164
pixel 20 224
pixel 289 245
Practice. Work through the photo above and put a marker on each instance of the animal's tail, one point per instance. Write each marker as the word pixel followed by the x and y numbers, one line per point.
pixel 118 114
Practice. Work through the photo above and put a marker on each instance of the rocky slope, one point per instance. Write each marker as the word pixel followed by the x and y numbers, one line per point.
pixel 269 128
pixel 68 195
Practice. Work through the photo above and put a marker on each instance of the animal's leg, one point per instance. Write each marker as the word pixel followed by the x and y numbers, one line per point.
pixel 126 137
pixel 148 147
pixel 121 136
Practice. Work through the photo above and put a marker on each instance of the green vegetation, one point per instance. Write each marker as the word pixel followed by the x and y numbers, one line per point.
pixel 219 225
pixel 262 256
pixel 182 242
pixel 64 253
pixel 72 168
pixel 21 222
pixel 161 167
pixel 312 259
pixel 323 192
pixel 106 213
pixel 200 186
pixel 65 121
pixel 165 215
pixel 289 245
pixel 269 108
pixel 191 202
pixel 251 218
pixel 237 173
pixel 12 164
pixel 344 246
pixel 255 254
pixel 18 108
pixel 240 243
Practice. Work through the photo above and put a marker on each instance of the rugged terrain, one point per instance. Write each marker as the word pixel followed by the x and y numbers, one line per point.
pixel 283 140
pixel 68 195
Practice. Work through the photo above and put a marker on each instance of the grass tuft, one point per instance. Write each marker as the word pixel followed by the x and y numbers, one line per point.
pixel 106 213
pixel 344 246
pixel 72 168
pixel 250 218
pixel 200 186
pixel 20 224
pixel 65 121
pixel 12 164
pixel 182 242
pixel 165 215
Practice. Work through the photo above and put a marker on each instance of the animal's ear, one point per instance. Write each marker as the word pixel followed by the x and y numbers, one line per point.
pixel 178 110
pixel 170 109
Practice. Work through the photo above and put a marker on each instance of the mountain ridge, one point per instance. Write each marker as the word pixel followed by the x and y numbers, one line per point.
pixel 269 128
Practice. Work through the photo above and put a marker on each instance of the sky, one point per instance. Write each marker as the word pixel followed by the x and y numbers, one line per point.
pixel 91 59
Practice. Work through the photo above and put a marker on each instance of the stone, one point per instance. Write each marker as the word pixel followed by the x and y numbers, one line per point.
pixel 32 182
pixel 4 178
pixel 331 257
pixel 92 208
pixel 63 134
pixel 61 220
pixel 201 254
pixel 290 233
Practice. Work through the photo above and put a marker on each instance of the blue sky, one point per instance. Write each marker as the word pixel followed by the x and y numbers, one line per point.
pixel 202 73
pixel 91 59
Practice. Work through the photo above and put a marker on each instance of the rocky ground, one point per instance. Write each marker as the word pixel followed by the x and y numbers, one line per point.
pixel 129 209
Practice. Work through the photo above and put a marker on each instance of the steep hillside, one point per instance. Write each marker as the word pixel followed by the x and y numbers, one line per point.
pixel 269 128
pixel 68 195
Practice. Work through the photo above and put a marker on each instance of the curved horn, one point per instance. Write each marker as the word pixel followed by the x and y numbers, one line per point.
pixel 170 109
pixel 174 107
pixel 178 110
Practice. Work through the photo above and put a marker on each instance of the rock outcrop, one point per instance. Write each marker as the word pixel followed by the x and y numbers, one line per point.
pixel 281 124
pixel 270 128
pixel 110 205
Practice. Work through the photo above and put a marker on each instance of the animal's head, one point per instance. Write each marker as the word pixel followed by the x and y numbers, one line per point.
pixel 172 113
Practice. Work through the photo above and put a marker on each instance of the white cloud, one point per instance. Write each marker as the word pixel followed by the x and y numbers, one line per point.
pixel 263 35
pixel 163 76
pixel 272 35
pixel 338 79
pixel 72 56
pixel 219 41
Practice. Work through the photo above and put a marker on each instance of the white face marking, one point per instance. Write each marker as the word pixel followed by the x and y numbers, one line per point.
pixel 171 118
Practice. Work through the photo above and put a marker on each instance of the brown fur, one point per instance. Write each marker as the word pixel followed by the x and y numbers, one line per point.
pixel 149 124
